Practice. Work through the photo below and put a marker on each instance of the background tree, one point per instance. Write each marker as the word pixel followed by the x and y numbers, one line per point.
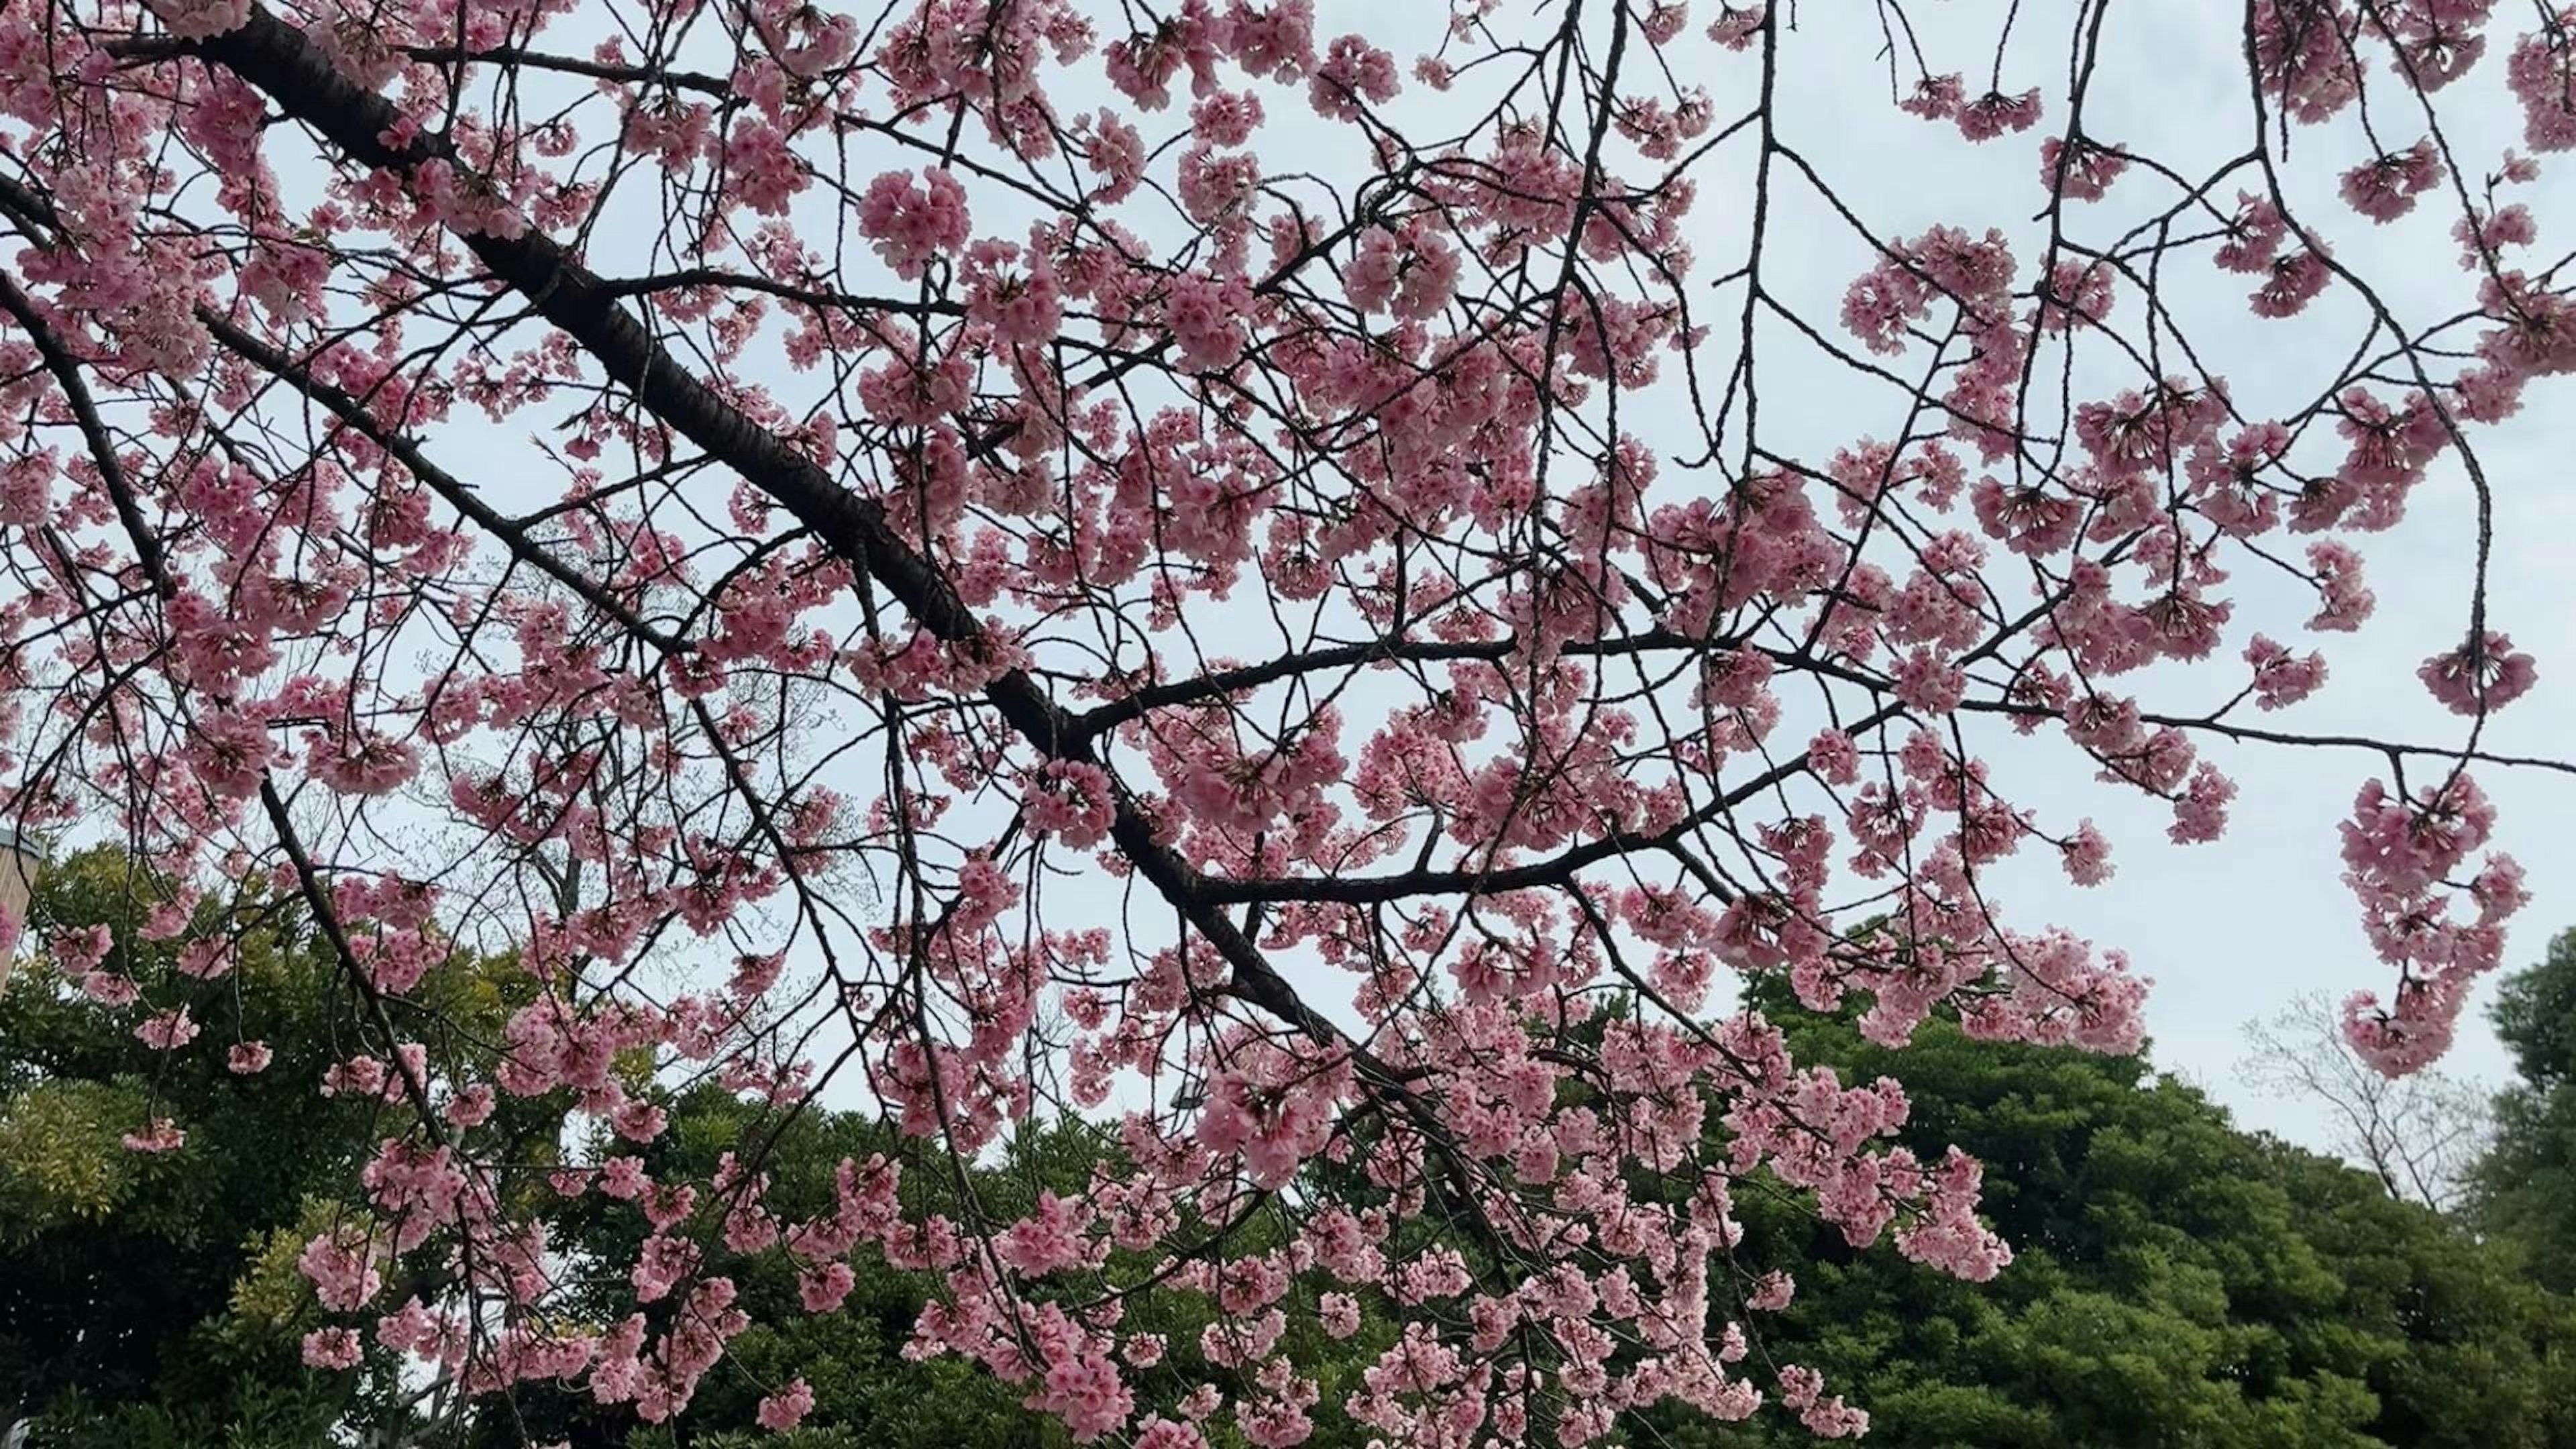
pixel 900 561
pixel 160 1288
pixel 2524 1189
pixel 2419 1135
pixel 2175 1281
pixel 867 1391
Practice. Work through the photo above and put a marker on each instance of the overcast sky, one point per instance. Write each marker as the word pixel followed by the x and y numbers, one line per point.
pixel 2229 931
pixel 2232 930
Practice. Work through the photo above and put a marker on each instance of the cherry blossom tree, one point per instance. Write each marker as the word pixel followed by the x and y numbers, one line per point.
pixel 1311 599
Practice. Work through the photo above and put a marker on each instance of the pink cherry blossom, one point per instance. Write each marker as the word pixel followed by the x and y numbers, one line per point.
pixel 160 1135
pixel 167 1031
pixel 783 1411
pixel 1302 622
pixel 331 1349
pixel 2385 189
pixel 912 222
pixel 2475 678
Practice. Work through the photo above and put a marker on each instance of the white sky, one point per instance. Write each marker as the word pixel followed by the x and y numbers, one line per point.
pixel 2232 930
pixel 2229 931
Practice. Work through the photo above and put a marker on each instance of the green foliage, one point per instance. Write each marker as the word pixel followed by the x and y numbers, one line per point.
pixel 2176 1282
pixel 2524 1190
pixel 60 1162
pixel 2535 1013
pixel 151 1297
pixel 866 1392
pixel 260 1415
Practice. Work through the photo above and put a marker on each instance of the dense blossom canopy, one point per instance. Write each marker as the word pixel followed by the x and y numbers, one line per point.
pixel 1010 558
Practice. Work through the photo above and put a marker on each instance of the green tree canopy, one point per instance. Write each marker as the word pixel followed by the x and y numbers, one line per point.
pixel 2176 1282
pixel 152 1297
pixel 2524 1190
